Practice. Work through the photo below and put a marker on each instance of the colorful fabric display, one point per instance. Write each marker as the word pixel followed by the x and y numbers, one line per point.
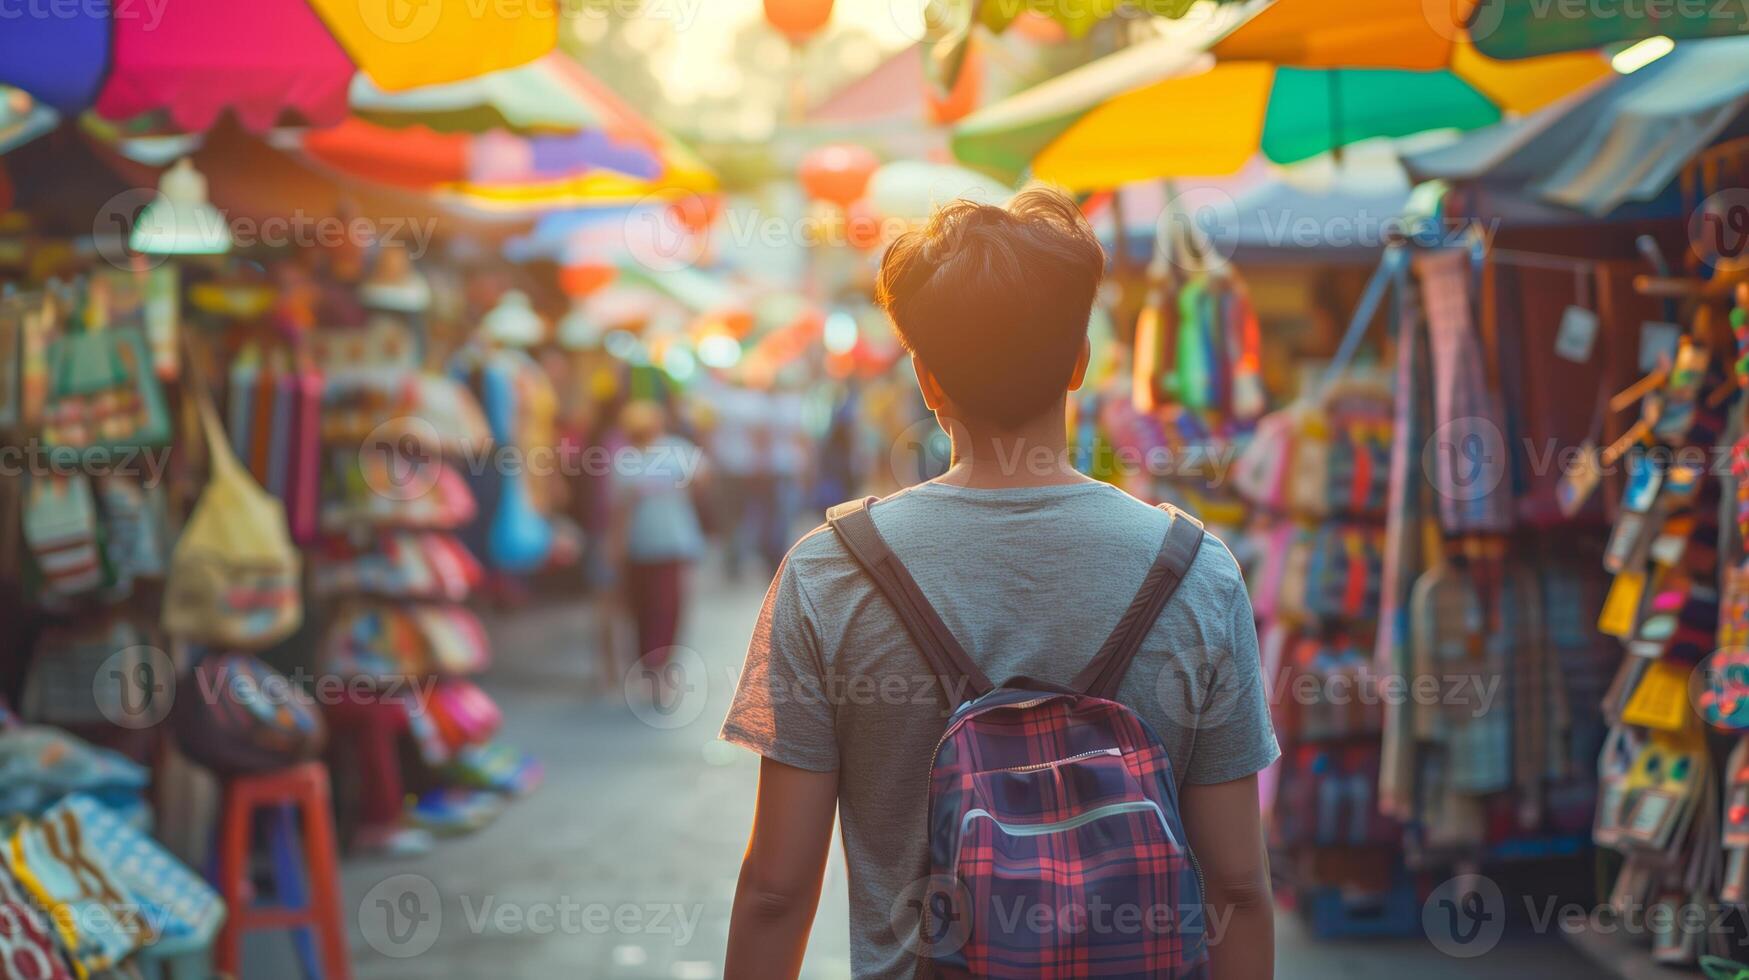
pixel 181 909
pixel 398 564
pixel 99 924
pixel 29 946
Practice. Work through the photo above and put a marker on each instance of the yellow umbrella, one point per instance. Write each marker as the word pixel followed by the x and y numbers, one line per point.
pixel 1165 109
pixel 404 45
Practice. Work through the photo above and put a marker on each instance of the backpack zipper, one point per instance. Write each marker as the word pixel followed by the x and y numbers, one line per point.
pixel 954 723
pixel 1057 762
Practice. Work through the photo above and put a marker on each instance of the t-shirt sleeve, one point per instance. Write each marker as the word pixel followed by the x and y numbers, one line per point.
pixel 1235 737
pixel 780 709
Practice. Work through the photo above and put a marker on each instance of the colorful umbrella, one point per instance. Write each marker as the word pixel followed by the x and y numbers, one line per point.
pixel 197 58
pixel 1530 28
pixel 1160 110
pixel 531 98
pixel 60 60
pixel 620 159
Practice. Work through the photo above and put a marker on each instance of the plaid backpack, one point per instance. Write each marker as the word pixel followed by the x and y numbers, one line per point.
pixel 1056 847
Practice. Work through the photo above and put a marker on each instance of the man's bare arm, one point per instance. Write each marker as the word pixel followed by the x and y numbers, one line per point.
pixel 1225 828
pixel 782 872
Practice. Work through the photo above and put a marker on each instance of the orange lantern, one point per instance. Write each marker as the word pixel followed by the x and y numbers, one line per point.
pixel 586 278
pixel 696 212
pixel 837 173
pixel 968 89
pixel 798 19
pixel 862 226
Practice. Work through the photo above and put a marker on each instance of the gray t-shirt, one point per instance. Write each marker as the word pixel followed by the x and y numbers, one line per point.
pixel 1031 581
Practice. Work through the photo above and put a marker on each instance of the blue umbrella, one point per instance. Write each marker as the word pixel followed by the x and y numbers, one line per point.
pixel 59 53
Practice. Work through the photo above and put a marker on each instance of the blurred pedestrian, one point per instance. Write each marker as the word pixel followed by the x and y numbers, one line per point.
pixel 787 453
pixel 656 537
pixel 736 468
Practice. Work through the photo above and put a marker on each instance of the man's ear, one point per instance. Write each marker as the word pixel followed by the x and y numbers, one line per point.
pixel 1080 373
pixel 933 395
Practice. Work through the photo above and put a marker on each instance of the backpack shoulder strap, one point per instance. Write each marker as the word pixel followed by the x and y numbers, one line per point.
pixel 947 659
pixel 1106 670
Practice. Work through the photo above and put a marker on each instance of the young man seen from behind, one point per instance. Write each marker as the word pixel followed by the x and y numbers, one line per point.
pixel 1031 566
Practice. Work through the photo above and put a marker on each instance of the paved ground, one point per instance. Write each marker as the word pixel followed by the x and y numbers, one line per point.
pixel 623 864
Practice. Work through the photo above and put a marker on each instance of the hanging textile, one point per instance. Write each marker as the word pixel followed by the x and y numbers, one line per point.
pixel 1468 458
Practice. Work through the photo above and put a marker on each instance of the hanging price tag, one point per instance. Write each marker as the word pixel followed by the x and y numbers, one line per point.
pixel 1578 334
pixel 1658 344
pixel 1660 701
pixel 1622 606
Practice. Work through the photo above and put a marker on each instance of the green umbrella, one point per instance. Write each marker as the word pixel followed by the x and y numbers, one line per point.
pixel 1510 29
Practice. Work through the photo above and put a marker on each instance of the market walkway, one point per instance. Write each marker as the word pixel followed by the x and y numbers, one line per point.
pixel 635 821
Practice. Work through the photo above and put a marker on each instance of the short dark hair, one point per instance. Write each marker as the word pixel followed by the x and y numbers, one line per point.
pixel 994 300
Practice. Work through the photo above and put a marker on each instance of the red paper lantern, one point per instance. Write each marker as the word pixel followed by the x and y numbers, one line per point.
pixel 837 173
pixel 581 280
pixel 862 226
pixel 696 212
pixel 798 19
pixel 968 89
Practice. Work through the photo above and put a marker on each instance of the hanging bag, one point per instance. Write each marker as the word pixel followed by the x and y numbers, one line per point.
pixel 236 715
pixel 234 576
pixel 103 394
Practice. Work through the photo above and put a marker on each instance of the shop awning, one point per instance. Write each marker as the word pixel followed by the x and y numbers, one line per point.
pixel 195 59
pixel 1623 143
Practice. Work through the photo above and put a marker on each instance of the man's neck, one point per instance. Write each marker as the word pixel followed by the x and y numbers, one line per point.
pixel 1035 454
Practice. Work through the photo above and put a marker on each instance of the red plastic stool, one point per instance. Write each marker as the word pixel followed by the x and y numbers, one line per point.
pixel 283 792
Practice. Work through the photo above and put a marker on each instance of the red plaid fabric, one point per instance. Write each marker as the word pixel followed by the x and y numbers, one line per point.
pixel 1054 820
